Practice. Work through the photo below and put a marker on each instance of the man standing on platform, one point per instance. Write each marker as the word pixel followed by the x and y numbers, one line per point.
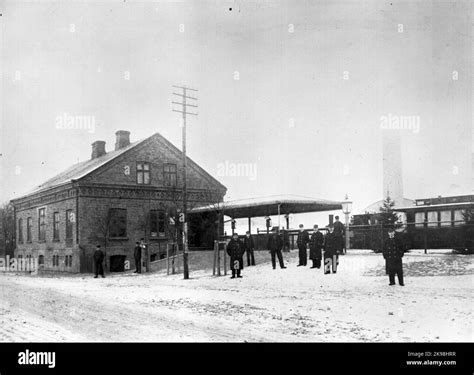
pixel 393 253
pixel 235 249
pixel 302 241
pixel 275 245
pixel 249 248
pixel 316 244
pixel 339 230
pixel 331 258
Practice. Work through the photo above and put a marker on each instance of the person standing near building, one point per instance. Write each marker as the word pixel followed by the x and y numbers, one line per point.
pixel 98 261
pixel 249 248
pixel 393 253
pixel 331 244
pixel 316 244
pixel 235 249
pixel 339 230
pixel 137 254
pixel 275 245
pixel 302 242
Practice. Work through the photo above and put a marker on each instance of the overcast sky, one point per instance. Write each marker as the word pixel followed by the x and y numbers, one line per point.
pixel 294 90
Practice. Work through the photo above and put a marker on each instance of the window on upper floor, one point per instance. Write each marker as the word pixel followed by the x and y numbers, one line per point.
pixel 170 175
pixel 118 223
pixel 143 173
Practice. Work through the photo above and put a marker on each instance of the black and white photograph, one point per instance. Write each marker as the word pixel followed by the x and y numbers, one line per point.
pixel 237 172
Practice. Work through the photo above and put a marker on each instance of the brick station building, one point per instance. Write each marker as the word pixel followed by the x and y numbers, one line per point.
pixel 114 199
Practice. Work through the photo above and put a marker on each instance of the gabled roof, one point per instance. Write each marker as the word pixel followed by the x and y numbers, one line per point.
pixel 82 169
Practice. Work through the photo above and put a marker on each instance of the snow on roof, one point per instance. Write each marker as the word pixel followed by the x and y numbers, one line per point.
pixel 268 205
pixel 81 169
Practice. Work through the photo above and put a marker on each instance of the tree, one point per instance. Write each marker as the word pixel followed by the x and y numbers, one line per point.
pixel 7 229
pixel 387 216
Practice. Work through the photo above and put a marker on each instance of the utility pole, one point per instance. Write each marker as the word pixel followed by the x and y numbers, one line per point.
pixel 183 109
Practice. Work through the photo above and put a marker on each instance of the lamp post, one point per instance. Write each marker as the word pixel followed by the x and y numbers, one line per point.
pixel 346 209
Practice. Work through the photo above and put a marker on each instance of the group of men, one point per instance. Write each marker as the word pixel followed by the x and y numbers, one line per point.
pixel 331 245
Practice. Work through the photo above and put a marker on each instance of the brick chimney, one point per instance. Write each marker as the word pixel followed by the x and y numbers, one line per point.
pixel 98 149
pixel 122 139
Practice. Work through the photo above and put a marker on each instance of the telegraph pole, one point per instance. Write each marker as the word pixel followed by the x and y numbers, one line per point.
pixel 183 109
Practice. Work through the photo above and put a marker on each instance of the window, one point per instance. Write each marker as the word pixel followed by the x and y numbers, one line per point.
pixel 69 224
pixel 56 226
pixel 419 219
pixel 432 218
pixel 143 173
pixel 169 175
pixel 68 261
pixel 42 224
pixel 118 223
pixel 446 218
pixel 20 231
pixel 55 260
pixel 29 227
pixel 157 223
pixel 458 217
pixel 41 259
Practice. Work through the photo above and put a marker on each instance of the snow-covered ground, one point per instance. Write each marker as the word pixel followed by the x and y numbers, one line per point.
pixel 294 304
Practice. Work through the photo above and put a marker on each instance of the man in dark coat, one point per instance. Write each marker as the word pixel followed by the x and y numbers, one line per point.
pixel 235 249
pixel 393 253
pixel 316 244
pixel 137 254
pixel 302 242
pixel 339 230
pixel 98 261
pixel 275 245
pixel 249 248
pixel 331 259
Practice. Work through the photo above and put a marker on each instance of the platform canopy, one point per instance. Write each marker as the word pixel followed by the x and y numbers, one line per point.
pixel 270 205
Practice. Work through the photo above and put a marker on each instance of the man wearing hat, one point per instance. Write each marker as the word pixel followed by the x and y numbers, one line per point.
pixel 275 245
pixel 98 261
pixel 331 259
pixel 393 253
pixel 249 248
pixel 316 244
pixel 235 249
pixel 339 230
pixel 302 241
